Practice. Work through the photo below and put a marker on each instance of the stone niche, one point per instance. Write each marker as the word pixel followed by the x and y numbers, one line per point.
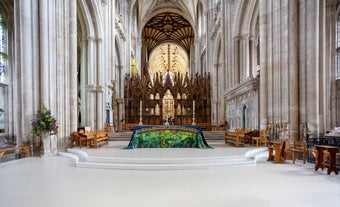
pixel 242 103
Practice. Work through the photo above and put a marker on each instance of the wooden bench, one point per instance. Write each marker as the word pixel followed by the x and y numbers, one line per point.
pixel 238 137
pixel 80 139
pixel 89 138
pixel 234 137
pixel 100 136
pixel 25 148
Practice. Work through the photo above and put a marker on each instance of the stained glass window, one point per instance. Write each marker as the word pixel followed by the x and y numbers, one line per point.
pixel 3 46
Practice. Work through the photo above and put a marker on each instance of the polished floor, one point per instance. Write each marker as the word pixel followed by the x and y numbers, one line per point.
pixel 56 182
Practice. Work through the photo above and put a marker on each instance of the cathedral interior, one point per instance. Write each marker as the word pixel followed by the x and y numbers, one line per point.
pixel 222 64
pixel 71 67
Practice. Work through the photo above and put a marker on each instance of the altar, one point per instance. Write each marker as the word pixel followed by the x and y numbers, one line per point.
pixel 171 136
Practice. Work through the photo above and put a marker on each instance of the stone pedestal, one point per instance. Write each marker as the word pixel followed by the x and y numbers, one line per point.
pixel 49 146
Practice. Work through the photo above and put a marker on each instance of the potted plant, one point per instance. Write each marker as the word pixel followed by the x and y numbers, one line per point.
pixel 44 126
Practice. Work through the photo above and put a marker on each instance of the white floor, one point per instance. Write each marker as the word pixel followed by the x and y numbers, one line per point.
pixel 56 182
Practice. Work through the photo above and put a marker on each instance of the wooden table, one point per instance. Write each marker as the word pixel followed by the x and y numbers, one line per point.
pixel 332 163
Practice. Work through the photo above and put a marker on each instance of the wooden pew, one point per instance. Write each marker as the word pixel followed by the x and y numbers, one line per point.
pixel 100 136
pixel 89 138
pixel 25 148
pixel 80 139
pixel 238 137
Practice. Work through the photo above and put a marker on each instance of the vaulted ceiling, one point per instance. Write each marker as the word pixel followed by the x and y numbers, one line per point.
pixel 167 28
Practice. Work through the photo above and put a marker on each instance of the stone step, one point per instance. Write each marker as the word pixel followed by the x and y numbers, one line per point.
pixel 214 135
pixel 156 162
pixel 120 136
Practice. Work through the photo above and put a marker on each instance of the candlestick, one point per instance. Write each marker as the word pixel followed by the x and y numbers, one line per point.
pixel 193 113
pixel 140 113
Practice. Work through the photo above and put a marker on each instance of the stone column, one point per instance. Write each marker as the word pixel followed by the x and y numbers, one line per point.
pixel 83 76
pixel 312 55
pixel 197 55
pixel 263 18
pixel 100 107
pixel 228 45
pixel 245 57
pixel 236 58
pixel 25 108
pixel 253 55
pixel 138 54
pixel 90 61
pixel 90 87
pixel 293 47
pixel 100 88
pixel 44 53
pixel 90 90
pixel 73 66
pixel 120 114
pixel 331 113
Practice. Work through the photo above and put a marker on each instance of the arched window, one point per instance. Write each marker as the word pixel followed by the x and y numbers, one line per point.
pixel 3 47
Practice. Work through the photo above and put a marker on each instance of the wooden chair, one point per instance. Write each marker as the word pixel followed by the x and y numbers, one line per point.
pixel 262 139
pixel 298 148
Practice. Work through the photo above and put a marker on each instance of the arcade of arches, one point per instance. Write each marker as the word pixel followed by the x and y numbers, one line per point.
pixel 253 64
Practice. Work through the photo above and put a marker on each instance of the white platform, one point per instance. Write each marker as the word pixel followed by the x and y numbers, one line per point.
pixel 113 156
pixel 56 182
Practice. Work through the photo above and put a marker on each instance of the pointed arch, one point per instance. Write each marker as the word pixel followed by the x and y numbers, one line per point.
pixel 91 63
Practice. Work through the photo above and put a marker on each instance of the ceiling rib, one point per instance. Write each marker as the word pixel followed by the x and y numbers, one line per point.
pixel 168 27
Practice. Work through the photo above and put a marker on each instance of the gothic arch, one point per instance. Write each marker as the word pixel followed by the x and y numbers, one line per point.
pixel 92 84
pixel 243 23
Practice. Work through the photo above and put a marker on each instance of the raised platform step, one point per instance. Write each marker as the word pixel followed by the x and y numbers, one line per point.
pixel 120 136
pixel 214 135
pixel 156 159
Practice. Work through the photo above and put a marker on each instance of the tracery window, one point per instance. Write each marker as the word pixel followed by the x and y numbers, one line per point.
pixel 3 47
